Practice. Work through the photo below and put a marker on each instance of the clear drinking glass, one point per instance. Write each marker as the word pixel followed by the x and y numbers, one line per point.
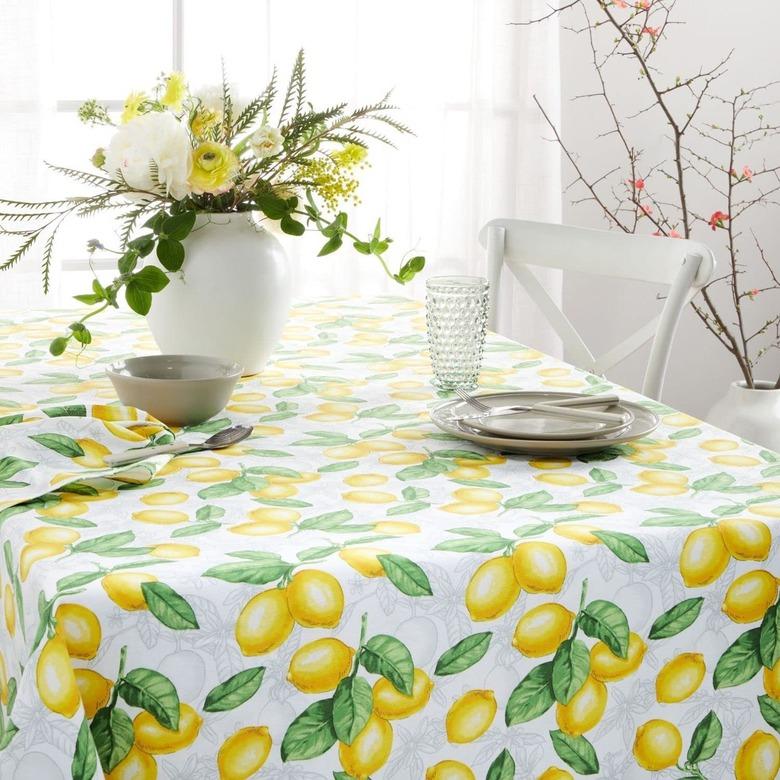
pixel 456 312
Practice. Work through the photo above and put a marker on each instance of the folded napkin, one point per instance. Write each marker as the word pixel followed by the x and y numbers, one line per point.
pixel 52 447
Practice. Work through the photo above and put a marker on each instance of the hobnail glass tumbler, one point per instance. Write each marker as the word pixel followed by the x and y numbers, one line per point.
pixel 456 313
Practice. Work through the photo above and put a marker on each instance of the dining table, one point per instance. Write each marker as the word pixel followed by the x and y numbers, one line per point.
pixel 351 592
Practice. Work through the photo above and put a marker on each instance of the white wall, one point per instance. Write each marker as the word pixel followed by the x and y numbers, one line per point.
pixel 700 368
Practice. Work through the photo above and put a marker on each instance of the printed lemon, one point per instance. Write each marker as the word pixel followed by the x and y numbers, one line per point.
pixel 657 477
pixel 492 589
pixel 94 690
pixel 164 499
pixel 704 557
pixel 153 738
pixel 737 461
pixel 469 472
pixel 79 628
pixel 32 553
pixel 578 532
pixel 750 596
pixel 266 528
pixel 391 704
pixel 242 754
pixel 264 623
pixel 772 681
pixel 470 716
pixel 550 463
pixel 51 535
pixel 274 514
pixel 136 765
pixel 320 665
pixel 746 539
pixel 585 708
pixel 364 560
pixel 276 492
pixel 608 667
pixel 554 773
pixel 315 599
pixel 657 745
pixel 719 445
pixel 478 495
pixel 94 453
pixel 758 758
pixel 540 630
pixel 471 507
pixel 598 507
pixel 124 588
pixel 369 750
pixel 160 516
pixel 213 475
pixel 3 680
pixel 540 567
pixel 449 770
pixel 680 678
pixel 173 552
pixel 365 480
pixel 396 527
pixel 563 478
pixel 9 609
pixel 403 458
pixel 55 680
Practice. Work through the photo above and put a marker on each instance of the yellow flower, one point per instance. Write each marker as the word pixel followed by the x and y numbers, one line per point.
pixel 204 121
pixel 132 107
pixel 213 168
pixel 350 155
pixel 335 184
pixel 175 90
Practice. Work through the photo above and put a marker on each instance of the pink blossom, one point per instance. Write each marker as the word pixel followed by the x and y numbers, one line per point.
pixel 717 219
pixel 674 234
pixel 747 173
pixel 620 3
pixel 638 184
pixel 643 5
pixel 657 233
pixel 653 32
pixel 646 210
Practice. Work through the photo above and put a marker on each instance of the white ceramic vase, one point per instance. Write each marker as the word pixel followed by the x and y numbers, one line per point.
pixel 232 297
pixel 752 414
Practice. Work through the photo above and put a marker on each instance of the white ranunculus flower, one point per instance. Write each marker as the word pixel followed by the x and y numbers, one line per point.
pixel 210 97
pixel 158 138
pixel 266 141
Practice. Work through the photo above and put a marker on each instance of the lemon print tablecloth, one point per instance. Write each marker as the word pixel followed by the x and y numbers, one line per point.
pixel 351 593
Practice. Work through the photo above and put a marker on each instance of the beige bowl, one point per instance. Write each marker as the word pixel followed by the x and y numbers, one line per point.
pixel 178 390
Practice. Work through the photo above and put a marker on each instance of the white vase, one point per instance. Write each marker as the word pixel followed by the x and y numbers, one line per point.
pixel 752 414
pixel 232 297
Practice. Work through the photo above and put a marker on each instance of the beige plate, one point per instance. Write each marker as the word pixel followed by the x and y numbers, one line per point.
pixel 644 423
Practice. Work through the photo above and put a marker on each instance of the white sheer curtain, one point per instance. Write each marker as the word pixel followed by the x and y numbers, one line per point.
pixel 26 108
pixel 462 75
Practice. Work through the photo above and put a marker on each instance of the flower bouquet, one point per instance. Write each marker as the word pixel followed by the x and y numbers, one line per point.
pixel 176 154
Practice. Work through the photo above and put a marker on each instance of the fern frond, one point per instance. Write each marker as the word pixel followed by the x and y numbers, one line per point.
pixel 83 177
pixel 394 123
pixel 368 133
pixel 261 103
pixel 43 204
pixel 48 251
pixel 20 252
pixel 95 208
pixel 296 88
pixel 227 107
pixel 129 222
pixel 21 216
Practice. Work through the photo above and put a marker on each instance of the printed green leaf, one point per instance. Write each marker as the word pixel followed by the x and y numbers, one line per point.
pixel 101 544
pixel 532 697
pixel 234 691
pixel 606 621
pixel 628 548
pixel 463 654
pixel 153 692
pixel 84 761
pixel 387 656
pixel 770 711
pixel 502 768
pixel 352 703
pixel 601 490
pixel 406 575
pixel 195 529
pixel 344 465
pixel 407 509
pixel 63 445
pixel 251 573
pixel 326 521
pixel 602 475
pixel 72 410
pixel 714 482
pixel 11 465
pixel 472 545
pixel 168 606
pixel 706 739
pixel 676 619
pixel 769 637
pixel 686 433
pixel 209 512
pixel 311 734
pixel 740 662
pixel 577 752
pixel 112 732
pixel 570 668
pixel 529 500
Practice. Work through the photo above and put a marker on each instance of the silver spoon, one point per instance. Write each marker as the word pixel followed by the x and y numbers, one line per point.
pixel 224 438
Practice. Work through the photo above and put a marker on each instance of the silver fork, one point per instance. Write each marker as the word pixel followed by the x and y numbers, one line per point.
pixel 567 408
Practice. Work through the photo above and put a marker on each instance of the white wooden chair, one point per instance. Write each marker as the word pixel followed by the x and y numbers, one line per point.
pixel 684 265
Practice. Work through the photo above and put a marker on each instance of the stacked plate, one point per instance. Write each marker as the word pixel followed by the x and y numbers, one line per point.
pixel 536 431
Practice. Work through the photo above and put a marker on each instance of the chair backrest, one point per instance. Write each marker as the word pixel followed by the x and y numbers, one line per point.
pixel 683 265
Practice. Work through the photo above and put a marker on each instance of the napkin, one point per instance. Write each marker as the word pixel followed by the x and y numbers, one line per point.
pixel 50 448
